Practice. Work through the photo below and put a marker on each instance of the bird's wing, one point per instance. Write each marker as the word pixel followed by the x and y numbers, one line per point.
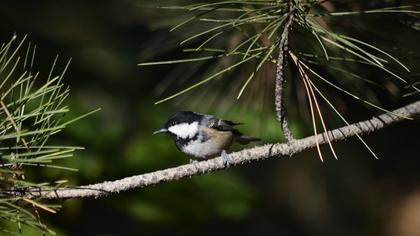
pixel 222 125
pixel 231 123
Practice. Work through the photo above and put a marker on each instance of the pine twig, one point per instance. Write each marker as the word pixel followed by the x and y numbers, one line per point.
pixel 280 80
pixel 237 158
pixel 10 117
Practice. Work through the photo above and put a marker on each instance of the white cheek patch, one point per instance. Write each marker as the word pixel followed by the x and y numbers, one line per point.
pixel 184 130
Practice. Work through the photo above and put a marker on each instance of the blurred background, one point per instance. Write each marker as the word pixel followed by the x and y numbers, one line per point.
pixel 299 195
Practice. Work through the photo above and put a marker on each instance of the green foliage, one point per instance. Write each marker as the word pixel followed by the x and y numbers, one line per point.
pixel 250 34
pixel 240 40
pixel 32 111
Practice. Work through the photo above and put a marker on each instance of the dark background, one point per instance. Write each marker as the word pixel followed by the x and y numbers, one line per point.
pixel 356 195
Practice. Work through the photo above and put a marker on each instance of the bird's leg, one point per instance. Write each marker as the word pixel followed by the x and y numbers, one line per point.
pixel 225 157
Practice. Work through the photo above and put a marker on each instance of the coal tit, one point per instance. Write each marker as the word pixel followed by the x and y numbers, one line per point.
pixel 203 136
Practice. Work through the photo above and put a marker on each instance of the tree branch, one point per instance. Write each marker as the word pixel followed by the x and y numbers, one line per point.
pixel 280 80
pixel 237 158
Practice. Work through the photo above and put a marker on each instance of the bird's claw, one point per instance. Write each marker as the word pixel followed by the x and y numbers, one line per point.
pixel 225 157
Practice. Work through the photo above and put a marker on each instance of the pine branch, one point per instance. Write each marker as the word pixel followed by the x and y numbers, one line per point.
pixel 31 111
pixel 280 80
pixel 237 158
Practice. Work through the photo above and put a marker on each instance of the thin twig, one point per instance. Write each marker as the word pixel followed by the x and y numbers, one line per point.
pixel 310 97
pixel 280 80
pixel 238 158
pixel 310 94
pixel 9 115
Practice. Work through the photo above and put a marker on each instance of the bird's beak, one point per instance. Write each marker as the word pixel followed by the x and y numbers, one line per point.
pixel 160 131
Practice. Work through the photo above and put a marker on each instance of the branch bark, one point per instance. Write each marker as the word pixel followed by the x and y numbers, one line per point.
pixel 237 158
pixel 280 80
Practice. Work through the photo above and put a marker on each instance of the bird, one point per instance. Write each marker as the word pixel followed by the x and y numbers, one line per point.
pixel 203 136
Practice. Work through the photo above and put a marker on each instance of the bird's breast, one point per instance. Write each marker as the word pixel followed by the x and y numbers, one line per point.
pixel 210 145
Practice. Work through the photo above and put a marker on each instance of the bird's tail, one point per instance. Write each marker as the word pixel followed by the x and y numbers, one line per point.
pixel 246 139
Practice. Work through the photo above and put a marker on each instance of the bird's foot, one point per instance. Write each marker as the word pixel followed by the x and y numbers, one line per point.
pixel 226 158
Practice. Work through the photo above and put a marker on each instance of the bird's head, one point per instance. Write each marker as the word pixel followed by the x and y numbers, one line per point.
pixel 182 125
